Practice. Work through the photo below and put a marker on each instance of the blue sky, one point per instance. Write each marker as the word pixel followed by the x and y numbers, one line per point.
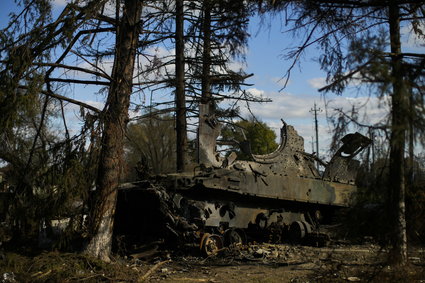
pixel 265 60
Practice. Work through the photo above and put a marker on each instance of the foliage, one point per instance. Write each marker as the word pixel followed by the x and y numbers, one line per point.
pixel 368 217
pixel 52 172
pixel 54 184
pixel 336 25
pixel 262 139
pixel 226 35
pixel 151 142
pixel 49 172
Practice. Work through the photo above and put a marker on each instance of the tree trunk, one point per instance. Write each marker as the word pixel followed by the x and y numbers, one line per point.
pixel 115 118
pixel 181 127
pixel 411 159
pixel 206 54
pixel 397 142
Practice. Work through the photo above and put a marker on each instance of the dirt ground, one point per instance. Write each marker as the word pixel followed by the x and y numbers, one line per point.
pixel 285 263
pixel 252 263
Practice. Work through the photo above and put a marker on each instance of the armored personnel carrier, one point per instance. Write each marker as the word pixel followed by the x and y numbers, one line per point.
pixel 276 197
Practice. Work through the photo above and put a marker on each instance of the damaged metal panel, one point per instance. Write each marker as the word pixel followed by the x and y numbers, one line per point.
pixel 277 196
pixel 342 167
pixel 208 132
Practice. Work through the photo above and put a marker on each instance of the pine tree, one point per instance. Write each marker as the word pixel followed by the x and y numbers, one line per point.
pixel 331 24
pixel 32 66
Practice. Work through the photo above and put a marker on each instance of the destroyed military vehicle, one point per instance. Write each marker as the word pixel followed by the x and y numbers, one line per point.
pixel 222 201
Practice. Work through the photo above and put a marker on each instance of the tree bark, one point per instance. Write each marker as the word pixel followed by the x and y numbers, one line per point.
pixel 397 142
pixel 411 138
pixel 181 126
pixel 206 54
pixel 115 118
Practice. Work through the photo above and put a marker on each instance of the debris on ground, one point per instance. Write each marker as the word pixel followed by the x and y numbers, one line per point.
pixel 238 263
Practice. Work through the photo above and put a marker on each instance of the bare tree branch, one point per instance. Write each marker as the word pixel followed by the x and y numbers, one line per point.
pixel 67 99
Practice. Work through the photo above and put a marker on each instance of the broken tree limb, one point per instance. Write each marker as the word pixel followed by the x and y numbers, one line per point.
pixel 153 269
pixel 67 99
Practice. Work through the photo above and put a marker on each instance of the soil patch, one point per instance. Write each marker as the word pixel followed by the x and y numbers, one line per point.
pixel 252 263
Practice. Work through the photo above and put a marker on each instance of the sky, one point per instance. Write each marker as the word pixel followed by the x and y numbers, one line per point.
pixel 294 103
pixel 265 59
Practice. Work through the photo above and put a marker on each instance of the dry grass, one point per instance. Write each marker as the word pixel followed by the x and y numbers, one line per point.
pixel 66 267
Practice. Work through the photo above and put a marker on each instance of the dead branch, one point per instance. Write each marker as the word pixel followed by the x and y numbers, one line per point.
pixel 93 65
pixel 377 127
pixel 154 114
pixel 74 40
pixel 38 133
pixel 55 65
pixel 418 55
pixel 84 82
pixel 153 269
pixel 345 77
pixel 67 99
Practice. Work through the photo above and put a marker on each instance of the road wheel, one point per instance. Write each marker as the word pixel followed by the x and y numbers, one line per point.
pixel 234 237
pixel 211 244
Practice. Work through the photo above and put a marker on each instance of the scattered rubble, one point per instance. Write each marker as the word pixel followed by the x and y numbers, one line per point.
pixel 239 263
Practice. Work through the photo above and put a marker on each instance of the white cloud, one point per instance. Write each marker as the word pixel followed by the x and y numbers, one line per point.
pixel 161 52
pixel 320 82
pixel 283 105
pixel 109 9
pixel 60 3
pixel 74 109
pixel 237 66
pixel 296 111
pixel 412 40
pixel 256 92
pixel 317 82
pixel 153 58
pixel 99 105
pixel 371 110
pixel 104 67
